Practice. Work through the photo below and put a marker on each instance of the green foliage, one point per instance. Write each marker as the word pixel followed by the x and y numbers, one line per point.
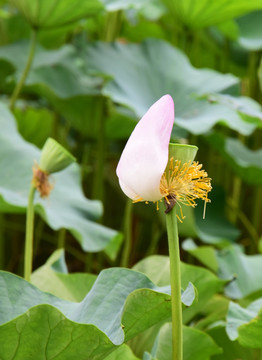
pixel 136 304
pixel 90 72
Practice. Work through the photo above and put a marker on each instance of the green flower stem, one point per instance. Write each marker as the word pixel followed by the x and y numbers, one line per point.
pixel 21 82
pixel 175 279
pixel 61 238
pixel 29 234
pixel 127 233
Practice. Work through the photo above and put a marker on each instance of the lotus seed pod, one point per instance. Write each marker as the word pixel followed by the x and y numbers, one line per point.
pixel 54 157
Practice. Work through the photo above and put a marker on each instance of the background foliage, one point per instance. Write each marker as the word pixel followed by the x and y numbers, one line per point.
pixel 84 72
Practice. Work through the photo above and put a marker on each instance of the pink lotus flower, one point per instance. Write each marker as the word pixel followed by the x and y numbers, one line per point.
pixel 145 156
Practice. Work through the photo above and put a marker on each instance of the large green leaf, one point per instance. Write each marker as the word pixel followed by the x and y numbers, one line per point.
pixel 206 283
pixel 59 73
pixel 43 332
pixel 49 13
pixel 101 319
pixel 245 162
pixel 203 13
pixel 73 211
pixel 196 344
pixel 142 73
pixel 245 324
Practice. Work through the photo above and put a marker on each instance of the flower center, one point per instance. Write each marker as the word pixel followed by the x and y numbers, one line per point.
pixel 182 184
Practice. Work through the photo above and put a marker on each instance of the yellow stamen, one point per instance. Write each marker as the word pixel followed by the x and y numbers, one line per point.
pixel 185 183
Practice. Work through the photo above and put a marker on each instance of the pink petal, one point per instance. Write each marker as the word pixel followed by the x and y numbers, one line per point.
pixel 144 158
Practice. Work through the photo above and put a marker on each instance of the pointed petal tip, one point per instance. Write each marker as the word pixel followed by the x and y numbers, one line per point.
pixel 166 108
pixel 167 97
pixel 168 100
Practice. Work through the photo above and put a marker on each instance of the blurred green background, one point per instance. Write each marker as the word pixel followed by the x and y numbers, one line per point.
pixel 84 72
